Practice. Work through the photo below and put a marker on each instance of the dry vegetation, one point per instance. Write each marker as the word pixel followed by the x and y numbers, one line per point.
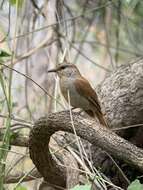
pixel 104 39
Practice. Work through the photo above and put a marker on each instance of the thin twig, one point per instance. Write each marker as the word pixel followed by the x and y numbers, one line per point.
pixel 118 167
pixel 32 51
pixel 127 127
pixel 21 179
pixel 62 21
pixel 16 119
pixel 28 77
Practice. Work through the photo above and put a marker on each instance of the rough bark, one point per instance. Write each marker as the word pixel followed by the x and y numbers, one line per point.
pixel 121 95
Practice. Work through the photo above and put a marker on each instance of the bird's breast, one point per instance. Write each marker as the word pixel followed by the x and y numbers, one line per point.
pixel 67 85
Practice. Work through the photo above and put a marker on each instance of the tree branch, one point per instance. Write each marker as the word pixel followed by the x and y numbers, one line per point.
pixel 121 97
pixel 86 129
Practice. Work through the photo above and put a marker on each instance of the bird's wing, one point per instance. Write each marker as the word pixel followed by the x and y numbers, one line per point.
pixel 84 88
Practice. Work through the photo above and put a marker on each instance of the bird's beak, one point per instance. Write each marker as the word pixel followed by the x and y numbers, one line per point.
pixel 52 70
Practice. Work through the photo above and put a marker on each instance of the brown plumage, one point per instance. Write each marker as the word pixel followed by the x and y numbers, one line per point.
pixel 90 94
pixel 81 93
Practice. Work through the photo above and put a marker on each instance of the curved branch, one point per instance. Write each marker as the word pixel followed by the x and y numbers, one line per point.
pixel 121 96
pixel 96 134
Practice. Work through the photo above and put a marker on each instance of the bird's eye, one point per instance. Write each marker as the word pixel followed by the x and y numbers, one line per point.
pixel 63 67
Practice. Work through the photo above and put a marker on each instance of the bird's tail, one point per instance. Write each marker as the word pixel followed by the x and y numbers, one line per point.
pixel 100 117
pixel 103 121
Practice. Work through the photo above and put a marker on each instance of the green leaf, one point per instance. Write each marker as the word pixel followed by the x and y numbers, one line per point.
pixel 19 3
pixel 4 53
pixel 135 185
pixel 21 188
pixel 4 46
pixel 82 187
pixel 13 135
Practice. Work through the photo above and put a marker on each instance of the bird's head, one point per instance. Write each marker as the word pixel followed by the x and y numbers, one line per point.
pixel 66 70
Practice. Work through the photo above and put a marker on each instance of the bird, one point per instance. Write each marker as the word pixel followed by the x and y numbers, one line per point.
pixel 81 93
